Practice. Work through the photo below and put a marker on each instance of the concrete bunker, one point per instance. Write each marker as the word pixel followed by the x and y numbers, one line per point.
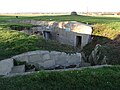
pixel 69 32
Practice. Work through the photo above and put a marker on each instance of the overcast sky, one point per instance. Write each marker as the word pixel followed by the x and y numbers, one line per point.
pixel 59 5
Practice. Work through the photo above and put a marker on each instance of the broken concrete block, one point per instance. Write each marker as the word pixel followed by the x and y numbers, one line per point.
pixel 6 66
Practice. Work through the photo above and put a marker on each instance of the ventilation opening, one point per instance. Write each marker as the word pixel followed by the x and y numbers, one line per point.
pixel 78 41
pixel 47 35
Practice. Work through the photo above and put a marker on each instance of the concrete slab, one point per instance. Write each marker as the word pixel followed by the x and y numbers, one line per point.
pixel 18 69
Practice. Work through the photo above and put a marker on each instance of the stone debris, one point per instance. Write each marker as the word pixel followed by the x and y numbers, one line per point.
pixel 97 57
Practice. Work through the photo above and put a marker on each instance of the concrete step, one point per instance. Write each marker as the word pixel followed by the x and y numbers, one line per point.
pixel 18 69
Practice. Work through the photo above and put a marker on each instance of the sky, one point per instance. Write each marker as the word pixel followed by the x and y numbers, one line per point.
pixel 13 6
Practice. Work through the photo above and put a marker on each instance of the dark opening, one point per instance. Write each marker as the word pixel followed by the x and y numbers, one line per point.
pixel 47 35
pixel 78 41
pixel 16 16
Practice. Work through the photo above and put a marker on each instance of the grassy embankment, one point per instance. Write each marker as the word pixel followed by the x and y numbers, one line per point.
pixel 106 78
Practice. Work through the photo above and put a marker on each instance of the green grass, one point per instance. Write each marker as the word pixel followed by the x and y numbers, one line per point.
pixel 106 78
pixel 109 39
pixel 15 26
pixel 3 18
pixel 112 22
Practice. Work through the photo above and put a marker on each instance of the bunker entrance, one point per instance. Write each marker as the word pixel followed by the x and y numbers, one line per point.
pixel 47 35
pixel 78 41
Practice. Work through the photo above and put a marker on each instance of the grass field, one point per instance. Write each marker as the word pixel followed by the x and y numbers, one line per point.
pixel 112 22
pixel 106 32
